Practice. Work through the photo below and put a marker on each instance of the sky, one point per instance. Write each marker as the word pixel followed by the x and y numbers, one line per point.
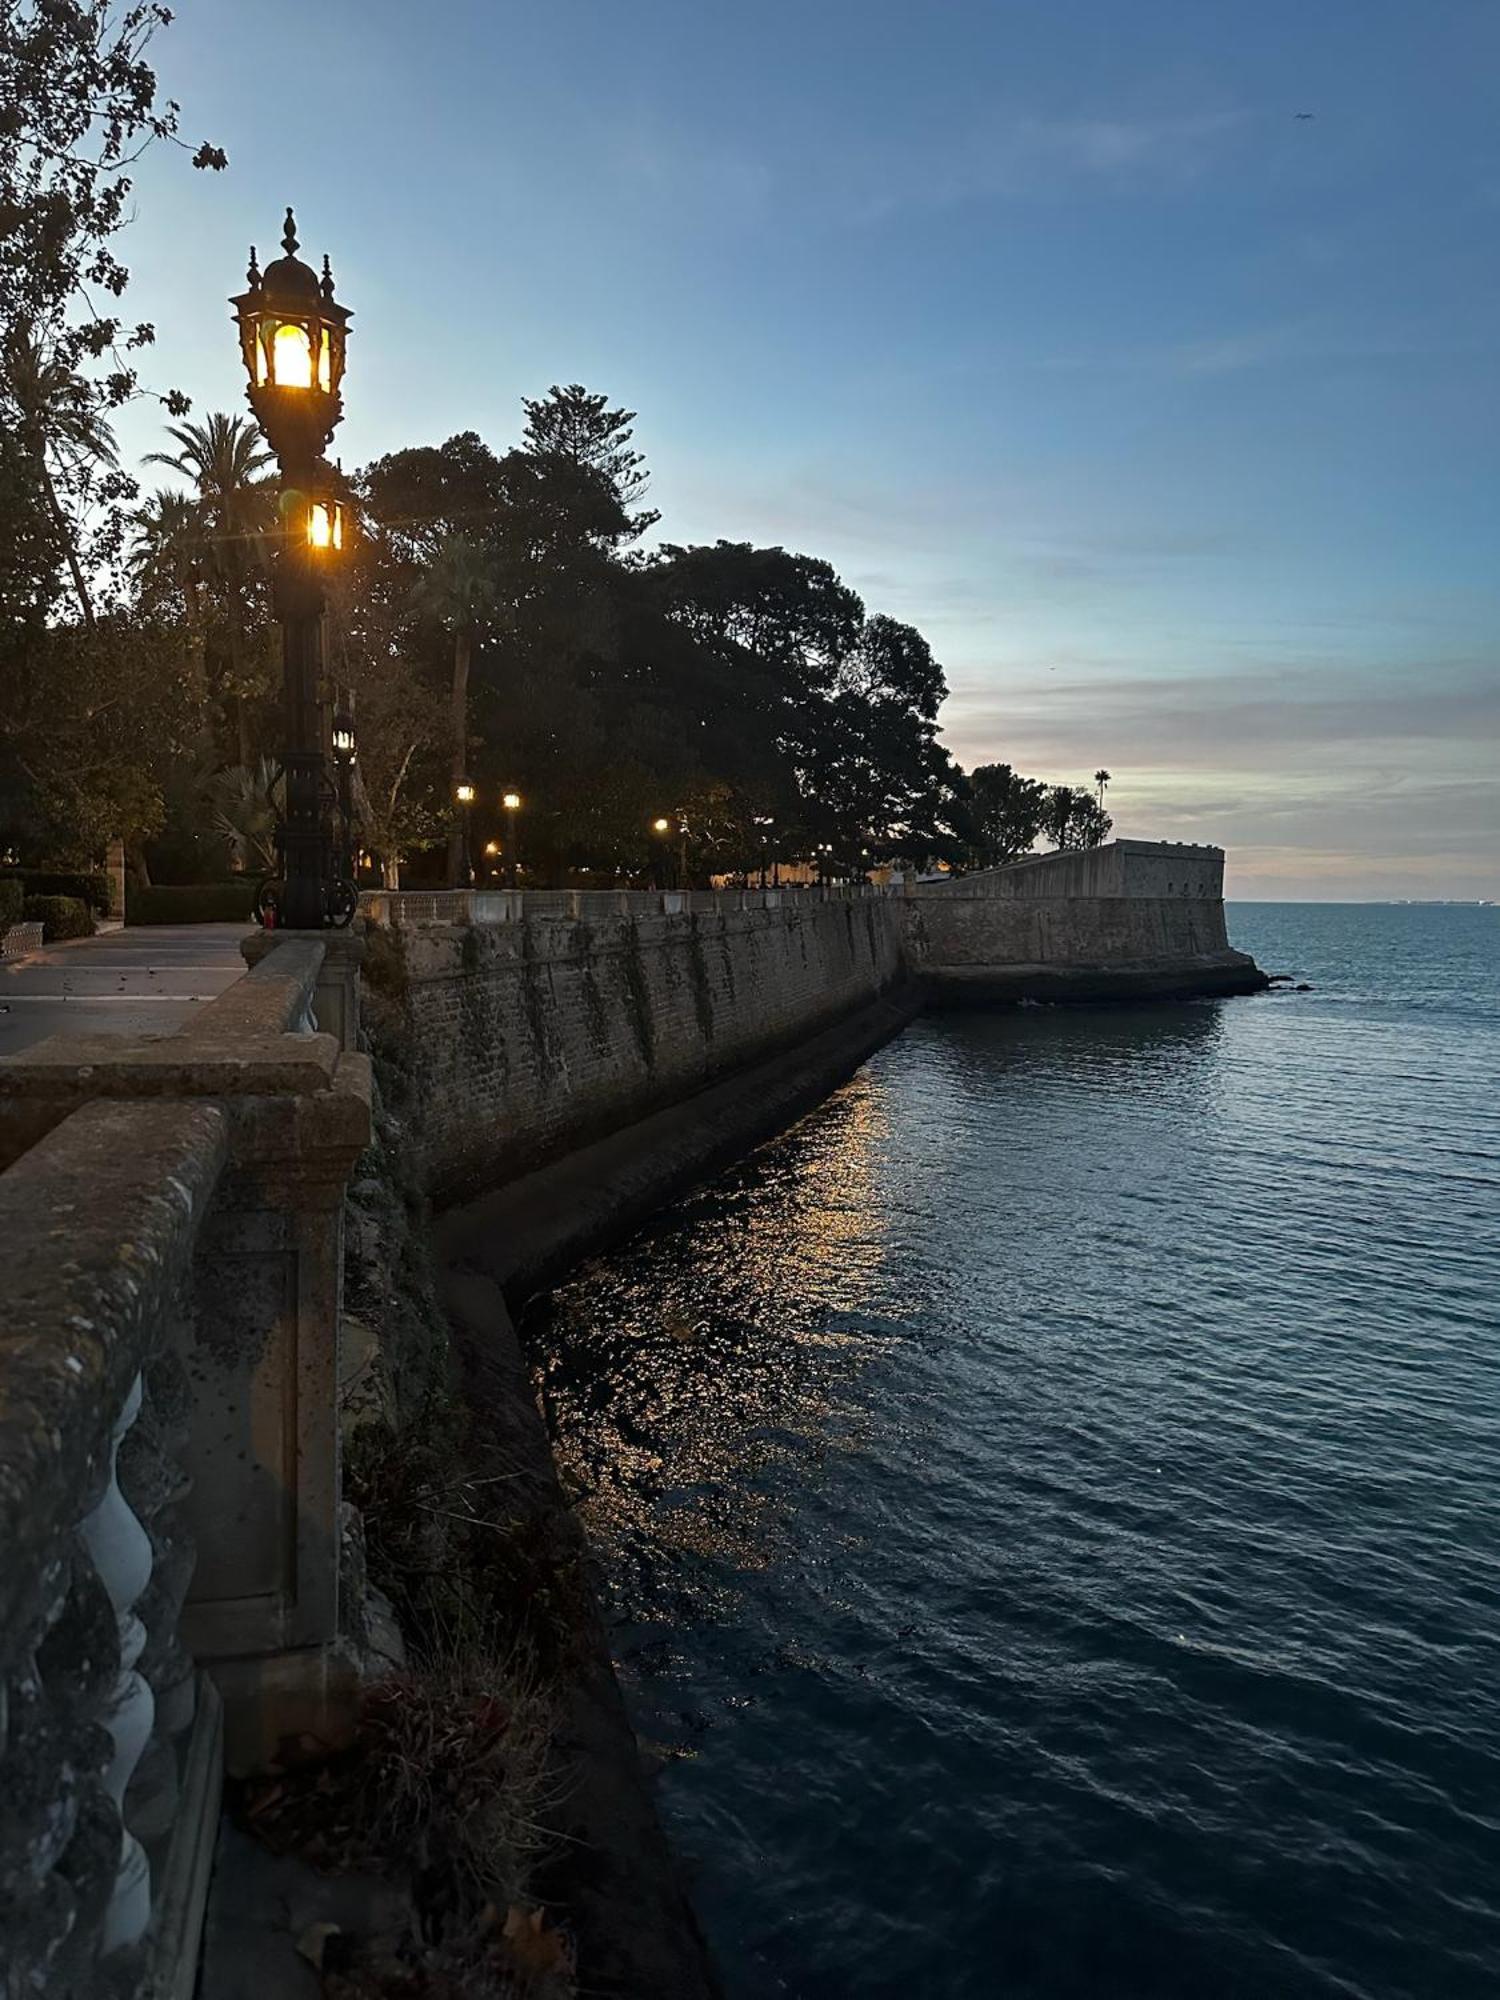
pixel 1169 417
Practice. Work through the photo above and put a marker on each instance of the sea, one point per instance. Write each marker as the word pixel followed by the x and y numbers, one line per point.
pixel 1050 1496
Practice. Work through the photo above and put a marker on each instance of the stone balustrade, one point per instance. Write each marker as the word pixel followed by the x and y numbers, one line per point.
pixel 171 1215
pixel 401 907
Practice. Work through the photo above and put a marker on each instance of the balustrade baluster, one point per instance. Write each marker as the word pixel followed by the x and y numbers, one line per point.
pixel 120 1550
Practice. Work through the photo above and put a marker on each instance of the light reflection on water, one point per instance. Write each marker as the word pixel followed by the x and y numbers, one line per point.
pixel 1047 1497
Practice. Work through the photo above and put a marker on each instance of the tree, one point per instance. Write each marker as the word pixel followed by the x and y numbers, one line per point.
pixel 1007 811
pixel 581 429
pixel 457 591
pixel 61 422
pixel 1072 818
pixel 1101 779
pixel 223 458
pixel 78 107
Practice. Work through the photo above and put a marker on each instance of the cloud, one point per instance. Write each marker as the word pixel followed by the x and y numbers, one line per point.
pixel 1320 780
pixel 1015 155
pixel 1303 342
pixel 1008 155
pixel 1263 708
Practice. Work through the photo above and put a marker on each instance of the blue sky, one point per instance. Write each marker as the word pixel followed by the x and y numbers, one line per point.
pixel 1169 418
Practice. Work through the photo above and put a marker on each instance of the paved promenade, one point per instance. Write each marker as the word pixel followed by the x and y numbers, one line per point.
pixel 145 980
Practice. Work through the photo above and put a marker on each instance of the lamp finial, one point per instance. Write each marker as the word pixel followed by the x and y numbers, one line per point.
pixel 327 278
pixel 289 235
pixel 252 276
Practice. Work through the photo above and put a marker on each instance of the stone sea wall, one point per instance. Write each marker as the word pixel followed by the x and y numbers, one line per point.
pixel 954 929
pixel 531 1039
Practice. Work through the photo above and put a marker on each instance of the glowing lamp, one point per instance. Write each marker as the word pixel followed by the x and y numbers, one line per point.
pixel 343 736
pixel 661 826
pixel 464 794
pixel 292 333
pixel 325 525
pixel 511 801
pixel 492 848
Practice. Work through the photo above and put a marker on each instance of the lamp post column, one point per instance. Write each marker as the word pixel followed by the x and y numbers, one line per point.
pixel 306 843
pixel 464 795
pixel 511 801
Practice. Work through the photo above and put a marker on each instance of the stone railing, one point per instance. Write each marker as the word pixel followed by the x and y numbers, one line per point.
pixel 171 1210
pixel 506 906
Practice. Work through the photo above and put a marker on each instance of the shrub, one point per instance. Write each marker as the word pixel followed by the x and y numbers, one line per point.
pixel 191 903
pixel 59 916
pixel 91 889
pixel 12 896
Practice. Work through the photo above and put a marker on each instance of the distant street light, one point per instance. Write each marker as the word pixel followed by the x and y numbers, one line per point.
pixel 463 792
pixel 512 804
pixel 292 334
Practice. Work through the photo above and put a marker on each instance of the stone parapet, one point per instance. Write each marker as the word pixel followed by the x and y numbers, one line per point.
pixel 332 1005
pixel 109 1767
pixel 172 1214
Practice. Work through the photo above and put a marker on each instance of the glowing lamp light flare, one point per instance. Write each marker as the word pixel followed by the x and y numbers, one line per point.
pixel 325 525
pixel 511 801
pixel 291 358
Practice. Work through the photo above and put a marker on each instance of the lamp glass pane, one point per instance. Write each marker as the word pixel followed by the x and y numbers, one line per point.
pixel 325 363
pixel 293 357
pixel 323 530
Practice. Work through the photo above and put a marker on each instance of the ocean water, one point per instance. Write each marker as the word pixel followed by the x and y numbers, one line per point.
pixel 1051 1496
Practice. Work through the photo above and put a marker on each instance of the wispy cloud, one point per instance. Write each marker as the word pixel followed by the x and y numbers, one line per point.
pixel 1306 342
pixel 1013 155
pixel 1323 779
pixel 1009 154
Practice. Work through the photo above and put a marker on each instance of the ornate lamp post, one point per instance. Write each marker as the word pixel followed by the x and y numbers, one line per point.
pixel 292 334
pixel 464 794
pixel 512 804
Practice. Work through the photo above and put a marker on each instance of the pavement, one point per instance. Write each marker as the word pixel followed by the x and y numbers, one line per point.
pixel 147 980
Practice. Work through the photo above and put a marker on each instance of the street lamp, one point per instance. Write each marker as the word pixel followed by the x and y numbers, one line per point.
pixel 464 793
pixel 491 853
pixel 661 827
pixel 292 335
pixel 765 822
pixel 512 804
pixel 344 754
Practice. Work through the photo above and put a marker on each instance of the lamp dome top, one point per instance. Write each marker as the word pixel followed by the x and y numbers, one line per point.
pixel 289 276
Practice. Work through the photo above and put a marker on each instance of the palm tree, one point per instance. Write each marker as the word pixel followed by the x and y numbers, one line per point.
pixel 67 432
pixel 1101 779
pixel 223 457
pixel 457 591
pixel 245 805
pixel 170 551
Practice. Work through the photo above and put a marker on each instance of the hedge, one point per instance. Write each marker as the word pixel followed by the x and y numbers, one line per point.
pixel 191 903
pixel 12 896
pixel 92 888
pixel 59 916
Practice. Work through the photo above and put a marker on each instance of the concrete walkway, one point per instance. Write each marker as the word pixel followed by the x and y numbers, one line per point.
pixel 142 981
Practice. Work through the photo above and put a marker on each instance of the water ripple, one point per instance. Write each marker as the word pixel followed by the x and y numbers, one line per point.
pixel 1048 1497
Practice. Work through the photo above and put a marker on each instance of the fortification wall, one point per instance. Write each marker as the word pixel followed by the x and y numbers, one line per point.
pixel 1129 868
pixel 957 929
pixel 531 1039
